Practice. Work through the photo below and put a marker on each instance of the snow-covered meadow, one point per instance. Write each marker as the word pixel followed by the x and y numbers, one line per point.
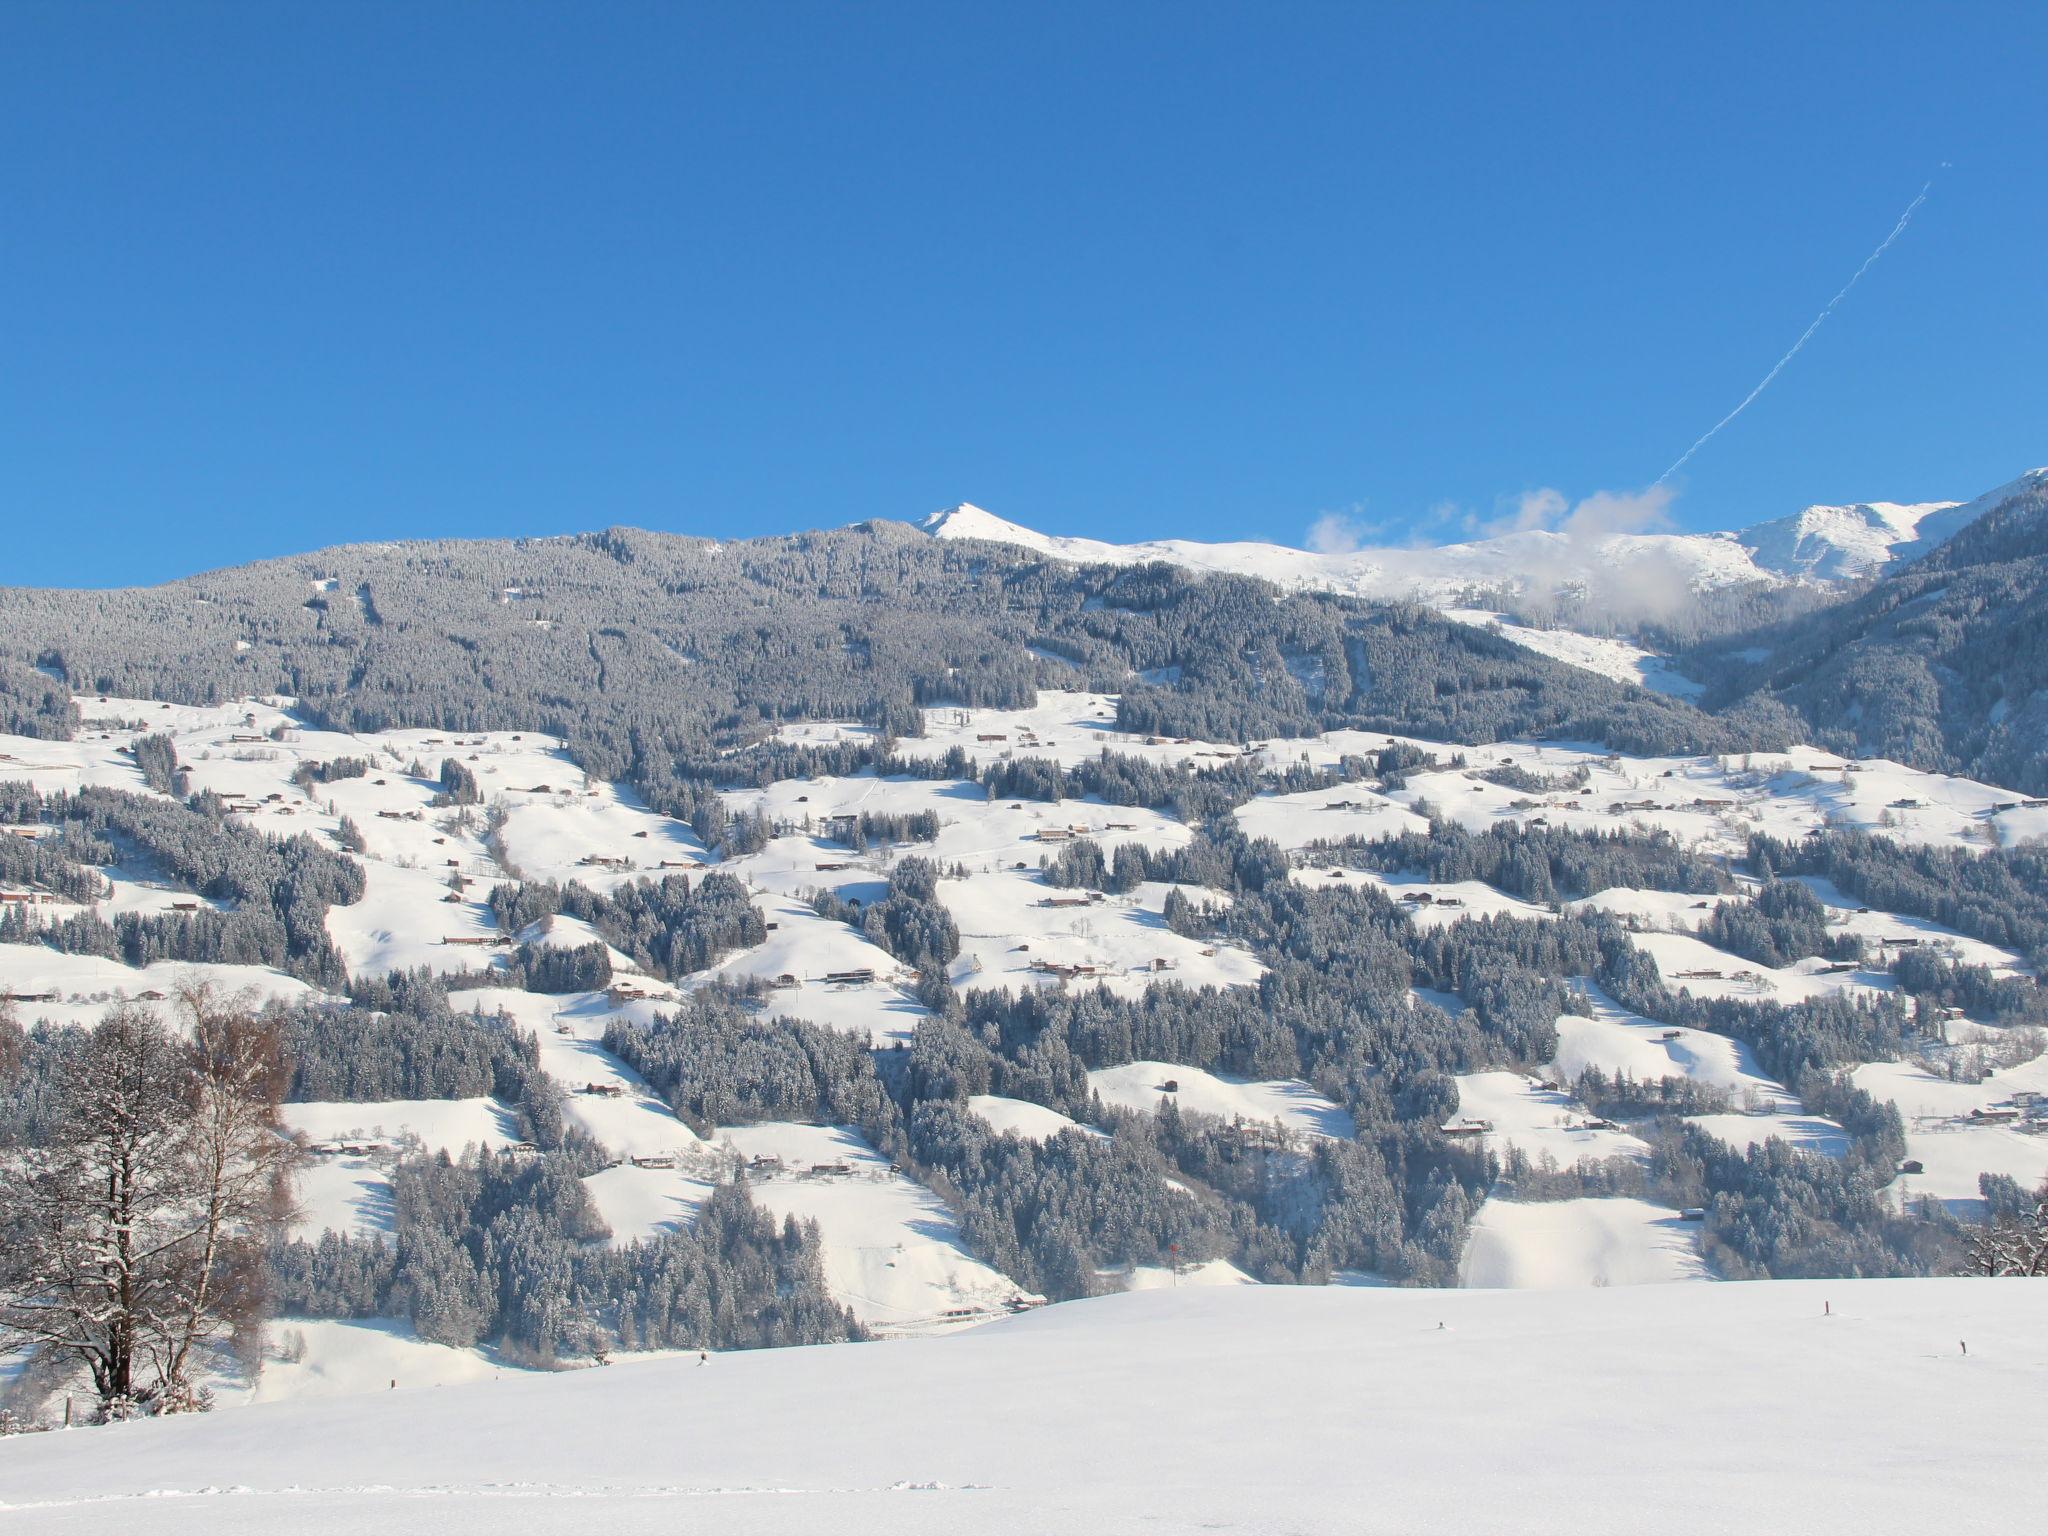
pixel 1822 1407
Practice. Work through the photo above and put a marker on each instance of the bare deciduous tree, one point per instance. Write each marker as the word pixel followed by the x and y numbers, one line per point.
pixel 2016 1247
pixel 131 1242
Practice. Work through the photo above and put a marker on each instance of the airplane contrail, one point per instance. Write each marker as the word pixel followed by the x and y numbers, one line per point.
pixel 1806 335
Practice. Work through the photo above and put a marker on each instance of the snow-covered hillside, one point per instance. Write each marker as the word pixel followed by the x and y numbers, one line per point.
pixel 1821 544
pixel 1813 1406
pixel 1436 574
pixel 893 1250
pixel 1619 577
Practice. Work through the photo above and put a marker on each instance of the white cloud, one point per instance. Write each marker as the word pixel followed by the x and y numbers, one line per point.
pixel 1339 533
pixel 1606 513
pixel 1540 508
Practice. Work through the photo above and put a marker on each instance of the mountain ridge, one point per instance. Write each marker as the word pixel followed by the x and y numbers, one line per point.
pixel 1825 545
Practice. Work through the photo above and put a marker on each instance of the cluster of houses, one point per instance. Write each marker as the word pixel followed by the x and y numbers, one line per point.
pixel 349 1147
pixel 1709 973
pixel 2025 1110
pixel 1426 899
pixel 1067 972
pixel 1059 834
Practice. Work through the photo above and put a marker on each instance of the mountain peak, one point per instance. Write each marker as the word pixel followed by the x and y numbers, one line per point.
pixel 964 520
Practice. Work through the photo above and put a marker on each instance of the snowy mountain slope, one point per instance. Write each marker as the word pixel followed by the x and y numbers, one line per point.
pixel 1435 575
pixel 1940 660
pixel 1839 543
pixel 1825 1407
pixel 1847 543
pixel 1825 545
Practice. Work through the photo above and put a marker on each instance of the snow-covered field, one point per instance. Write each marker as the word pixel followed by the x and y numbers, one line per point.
pixel 1947 1136
pixel 1538 1121
pixel 892 1249
pixel 1572 1244
pixel 1146 1086
pixel 1016 931
pixel 1020 1117
pixel 1820 1407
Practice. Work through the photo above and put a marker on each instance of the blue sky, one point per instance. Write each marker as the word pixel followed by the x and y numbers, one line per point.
pixel 274 277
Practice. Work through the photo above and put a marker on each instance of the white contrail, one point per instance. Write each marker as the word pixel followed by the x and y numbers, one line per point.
pixel 1805 336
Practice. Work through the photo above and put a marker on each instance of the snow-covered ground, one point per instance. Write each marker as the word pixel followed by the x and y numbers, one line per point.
pixel 440 1125
pixel 803 951
pixel 1604 654
pixel 1610 1039
pixel 1017 931
pixel 1326 815
pixel 1146 1086
pixel 1020 1117
pixel 1571 1244
pixel 1947 1134
pixel 314 1358
pixel 1693 966
pixel 892 1250
pixel 1832 1408
pixel 1539 1121
pixel 1428 903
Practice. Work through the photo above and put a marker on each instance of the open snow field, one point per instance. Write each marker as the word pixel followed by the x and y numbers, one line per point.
pixel 1326 815
pixel 803 951
pixel 892 1250
pixel 1146 1086
pixel 1428 903
pixel 1691 965
pixel 1572 1244
pixel 1946 1135
pixel 1538 1120
pixel 1020 1117
pixel 1614 1041
pixel 440 1125
pixel 1682 1409
pixel 1016 931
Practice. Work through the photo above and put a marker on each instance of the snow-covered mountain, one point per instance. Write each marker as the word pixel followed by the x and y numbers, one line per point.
pixel 1846 543
pixel 1823 545
pixel 1839 543
pixel 1436 574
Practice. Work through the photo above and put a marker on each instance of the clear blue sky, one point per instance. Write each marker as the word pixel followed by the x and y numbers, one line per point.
pixel 279 276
